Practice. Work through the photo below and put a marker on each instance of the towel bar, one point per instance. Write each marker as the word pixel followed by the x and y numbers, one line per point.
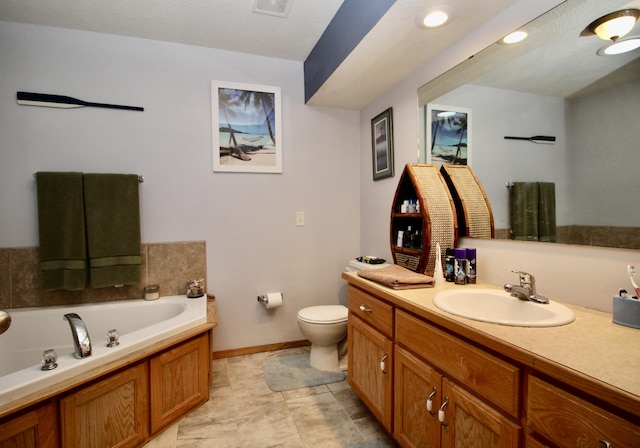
pixel 140 177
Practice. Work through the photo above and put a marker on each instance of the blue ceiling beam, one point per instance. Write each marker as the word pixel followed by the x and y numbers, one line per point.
pixel 354 19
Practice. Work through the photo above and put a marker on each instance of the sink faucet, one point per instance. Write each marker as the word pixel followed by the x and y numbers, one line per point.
pixel 81 340
pixel 527 288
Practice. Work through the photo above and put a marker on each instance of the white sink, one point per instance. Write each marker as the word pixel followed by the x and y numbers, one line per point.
pixel 495 306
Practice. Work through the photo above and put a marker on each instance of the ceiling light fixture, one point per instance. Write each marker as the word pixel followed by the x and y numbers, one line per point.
pixel 613 26
pixel 436 16
pixel 515 37
pixel 620 46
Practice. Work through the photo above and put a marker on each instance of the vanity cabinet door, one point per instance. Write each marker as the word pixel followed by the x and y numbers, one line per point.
pixel 569 421
pixel 110 413
pixel 370 371
pixel 416 385
pixel 468 421
pixel 179 381
pixel 35 429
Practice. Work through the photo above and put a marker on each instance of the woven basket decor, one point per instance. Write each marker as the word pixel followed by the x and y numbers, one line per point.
pixel 436 218
pixel 475 218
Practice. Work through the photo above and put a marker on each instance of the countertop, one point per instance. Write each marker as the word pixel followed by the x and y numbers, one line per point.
pixel 591 353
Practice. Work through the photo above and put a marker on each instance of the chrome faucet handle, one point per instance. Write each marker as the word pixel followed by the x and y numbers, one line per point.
pixel 527 281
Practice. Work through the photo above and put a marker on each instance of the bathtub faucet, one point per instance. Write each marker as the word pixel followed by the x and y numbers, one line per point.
pixel 81 340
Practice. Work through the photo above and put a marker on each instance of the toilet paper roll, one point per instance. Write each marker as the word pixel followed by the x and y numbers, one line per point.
pixel 274 300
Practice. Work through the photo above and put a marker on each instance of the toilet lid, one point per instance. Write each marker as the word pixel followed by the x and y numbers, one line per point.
pixel 324 314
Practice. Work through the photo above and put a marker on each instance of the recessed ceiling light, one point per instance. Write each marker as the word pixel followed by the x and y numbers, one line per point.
pixel 436 16
pixel 620 46
pixel 515 37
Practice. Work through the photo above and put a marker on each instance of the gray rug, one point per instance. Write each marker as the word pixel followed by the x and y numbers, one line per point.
pixel 294 372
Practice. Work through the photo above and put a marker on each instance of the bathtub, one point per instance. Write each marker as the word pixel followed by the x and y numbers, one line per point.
pixel 140 323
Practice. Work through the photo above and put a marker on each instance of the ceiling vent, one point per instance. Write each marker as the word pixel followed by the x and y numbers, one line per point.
pixel 278 8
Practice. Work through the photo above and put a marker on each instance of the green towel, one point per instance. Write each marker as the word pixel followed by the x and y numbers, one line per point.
pixel 112 211
pixel 523 202
pixel 547 212
pixel 61 229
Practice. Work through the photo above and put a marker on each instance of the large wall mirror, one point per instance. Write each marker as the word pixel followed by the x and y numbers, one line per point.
pixel 554 84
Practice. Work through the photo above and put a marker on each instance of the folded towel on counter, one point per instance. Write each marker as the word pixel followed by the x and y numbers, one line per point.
pixel 61 229
pixel 397 277
pixel 112 210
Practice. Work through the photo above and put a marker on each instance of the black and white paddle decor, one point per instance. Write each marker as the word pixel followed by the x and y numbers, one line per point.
pixel 63 102
pixel 545 139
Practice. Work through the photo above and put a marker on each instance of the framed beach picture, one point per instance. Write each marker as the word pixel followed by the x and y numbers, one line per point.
pixel 448 139
pixel 246 128
pixel 382 144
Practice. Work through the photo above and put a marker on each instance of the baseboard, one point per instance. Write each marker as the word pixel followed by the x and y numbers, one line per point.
pixel 258 349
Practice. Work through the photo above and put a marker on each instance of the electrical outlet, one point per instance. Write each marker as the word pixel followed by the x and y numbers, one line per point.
pixel 299 219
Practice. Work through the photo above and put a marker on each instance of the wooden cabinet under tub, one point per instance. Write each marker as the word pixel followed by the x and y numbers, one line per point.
pixel 122 404
pixel 34 429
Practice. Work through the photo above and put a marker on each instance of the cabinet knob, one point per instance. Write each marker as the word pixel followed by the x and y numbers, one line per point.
pixel 383 363
pixel 365 309
pixel 441 411
pixel 430 400
pixel 604 444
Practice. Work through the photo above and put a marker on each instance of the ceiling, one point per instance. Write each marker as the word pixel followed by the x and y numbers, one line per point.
pixel 393 49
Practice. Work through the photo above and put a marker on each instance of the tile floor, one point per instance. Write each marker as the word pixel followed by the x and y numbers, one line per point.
pixel 243 412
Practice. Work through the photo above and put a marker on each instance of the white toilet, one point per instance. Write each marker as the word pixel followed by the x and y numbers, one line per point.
pixel 325 326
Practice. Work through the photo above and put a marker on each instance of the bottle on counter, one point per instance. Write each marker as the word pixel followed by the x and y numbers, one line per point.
pixel 471 265
pixel 460 267
pixel 449 265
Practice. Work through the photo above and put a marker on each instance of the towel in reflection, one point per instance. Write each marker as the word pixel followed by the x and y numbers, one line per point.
pixel 397 277
pixel 113 229
pixel 532 210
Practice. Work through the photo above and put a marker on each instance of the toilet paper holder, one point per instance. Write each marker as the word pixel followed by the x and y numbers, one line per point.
pixel 264 299
pixel 271 300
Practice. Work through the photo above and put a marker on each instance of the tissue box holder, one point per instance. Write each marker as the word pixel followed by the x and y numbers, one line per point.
pixel 626 311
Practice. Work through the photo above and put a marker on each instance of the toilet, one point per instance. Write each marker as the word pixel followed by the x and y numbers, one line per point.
pixel 324 326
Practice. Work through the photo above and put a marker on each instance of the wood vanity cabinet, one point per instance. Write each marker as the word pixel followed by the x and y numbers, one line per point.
pixel 439 364
pixel 35 429
pixel 571 421
pixel 110 413
pixel 370 354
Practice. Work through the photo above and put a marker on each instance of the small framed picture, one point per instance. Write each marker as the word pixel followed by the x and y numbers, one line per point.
pixel 246 128
pixel 382 144
pixel 448 135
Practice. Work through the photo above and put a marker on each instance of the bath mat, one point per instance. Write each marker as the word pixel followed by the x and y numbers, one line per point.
pixel 294 372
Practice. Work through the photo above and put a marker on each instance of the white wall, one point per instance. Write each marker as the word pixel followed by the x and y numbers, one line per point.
pixel 603 135
pixel 582 275
pixel 496 113
pixel 247 220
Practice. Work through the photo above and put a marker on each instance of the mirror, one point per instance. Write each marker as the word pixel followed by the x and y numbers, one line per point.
pixel 554 84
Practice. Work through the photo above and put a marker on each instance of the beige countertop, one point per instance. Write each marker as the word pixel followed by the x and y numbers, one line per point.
pixel 591 353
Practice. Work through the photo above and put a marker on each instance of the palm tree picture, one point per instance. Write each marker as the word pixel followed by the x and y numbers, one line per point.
pixel 448 135
pixel 246 128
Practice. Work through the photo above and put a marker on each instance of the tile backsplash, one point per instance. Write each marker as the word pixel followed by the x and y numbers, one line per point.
pixel 169 265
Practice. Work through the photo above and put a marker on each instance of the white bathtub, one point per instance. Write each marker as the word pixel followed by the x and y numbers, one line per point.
pixel 140 323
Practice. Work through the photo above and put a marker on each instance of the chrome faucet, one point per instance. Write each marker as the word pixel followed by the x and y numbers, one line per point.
pixel 81 340
pixel 527 288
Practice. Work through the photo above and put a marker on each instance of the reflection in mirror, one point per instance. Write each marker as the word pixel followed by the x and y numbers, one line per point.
pixel 554 84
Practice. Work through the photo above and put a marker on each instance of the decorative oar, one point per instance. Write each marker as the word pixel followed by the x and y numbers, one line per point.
pixel 545 139
pixel 63 102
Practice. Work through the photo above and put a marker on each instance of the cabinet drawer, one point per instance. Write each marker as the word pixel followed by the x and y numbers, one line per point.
pixel 371 310
pixel 569 421
pixel 495 380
